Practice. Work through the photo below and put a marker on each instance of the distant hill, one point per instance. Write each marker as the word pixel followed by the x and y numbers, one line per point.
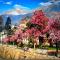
pixel 15 18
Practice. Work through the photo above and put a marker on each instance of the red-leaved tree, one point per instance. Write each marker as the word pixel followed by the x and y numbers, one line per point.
pixel 38 24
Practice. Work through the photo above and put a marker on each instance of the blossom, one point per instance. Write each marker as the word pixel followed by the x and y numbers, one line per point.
pixel 55 29
pixel 6 39
pixel 38 24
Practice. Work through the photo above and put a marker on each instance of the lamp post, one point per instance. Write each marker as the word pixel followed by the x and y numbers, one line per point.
pixel 1 37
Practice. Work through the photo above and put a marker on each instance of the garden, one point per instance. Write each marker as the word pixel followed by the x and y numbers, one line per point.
pixel 38 32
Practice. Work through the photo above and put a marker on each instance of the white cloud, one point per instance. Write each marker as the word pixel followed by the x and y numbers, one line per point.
pixel 18 10
pixel 45 4
pixel 21 7
pixel 8 3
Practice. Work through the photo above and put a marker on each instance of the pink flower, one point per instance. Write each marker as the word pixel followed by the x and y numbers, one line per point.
pixel 5 40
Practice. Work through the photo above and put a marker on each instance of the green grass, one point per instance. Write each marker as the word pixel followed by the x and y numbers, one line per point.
pixel 48 47
pixel 52 48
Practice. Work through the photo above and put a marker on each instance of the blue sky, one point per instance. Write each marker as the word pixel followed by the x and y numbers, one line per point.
pixel 25 4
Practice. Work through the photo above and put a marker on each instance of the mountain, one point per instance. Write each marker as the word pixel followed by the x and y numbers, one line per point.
pixel 16 15
pixel 54 7
pixel 51 9
pixel 15 18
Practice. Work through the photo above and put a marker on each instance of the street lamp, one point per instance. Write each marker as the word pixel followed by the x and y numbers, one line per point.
pixel 1 37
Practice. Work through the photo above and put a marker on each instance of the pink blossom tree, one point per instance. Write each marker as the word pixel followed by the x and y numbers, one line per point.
pixel 55 28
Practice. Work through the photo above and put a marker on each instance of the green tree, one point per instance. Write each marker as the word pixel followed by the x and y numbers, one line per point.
pixel 8 26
